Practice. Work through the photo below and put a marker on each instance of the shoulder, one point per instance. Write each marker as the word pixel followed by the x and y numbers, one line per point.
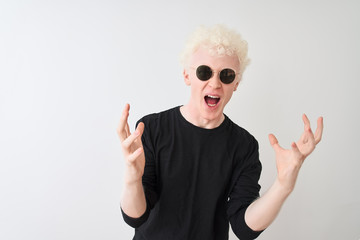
pixel 160 119
pixel 159 125
pixel 241 134
pixel 245 149
pixel 242 145
pixel 159 115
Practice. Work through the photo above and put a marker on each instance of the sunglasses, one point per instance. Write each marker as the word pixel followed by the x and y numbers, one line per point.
pixel 226 75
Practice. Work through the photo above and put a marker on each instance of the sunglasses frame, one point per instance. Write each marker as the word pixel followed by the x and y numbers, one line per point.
pixel 212 74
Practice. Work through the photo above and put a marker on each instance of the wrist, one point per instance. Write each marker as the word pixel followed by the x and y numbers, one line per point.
pixel 133 176
pixel 132 183
pixel 282 188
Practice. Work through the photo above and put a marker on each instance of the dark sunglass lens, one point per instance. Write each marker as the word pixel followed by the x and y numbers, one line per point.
pixel 227 75
pixel 203 72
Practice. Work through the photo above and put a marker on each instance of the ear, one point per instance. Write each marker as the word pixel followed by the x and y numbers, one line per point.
pixel 236 85
pixel 186 77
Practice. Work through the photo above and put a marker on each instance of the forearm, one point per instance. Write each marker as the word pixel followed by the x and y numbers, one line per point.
pixel 133 201
pixel 262 212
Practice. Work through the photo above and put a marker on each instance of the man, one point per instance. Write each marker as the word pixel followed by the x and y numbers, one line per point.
pixel 190 170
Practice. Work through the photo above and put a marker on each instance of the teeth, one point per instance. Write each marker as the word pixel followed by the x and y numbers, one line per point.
pixel 213 97
pixel 210 96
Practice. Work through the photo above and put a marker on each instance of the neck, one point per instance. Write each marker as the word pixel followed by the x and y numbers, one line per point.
pixel 192 116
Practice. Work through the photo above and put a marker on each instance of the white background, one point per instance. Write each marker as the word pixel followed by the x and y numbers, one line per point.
pixel 67 68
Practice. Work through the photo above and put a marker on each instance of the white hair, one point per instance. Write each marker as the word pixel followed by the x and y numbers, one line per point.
pixel 219 40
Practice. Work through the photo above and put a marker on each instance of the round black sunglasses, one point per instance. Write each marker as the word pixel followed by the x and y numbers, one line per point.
pixel 204 73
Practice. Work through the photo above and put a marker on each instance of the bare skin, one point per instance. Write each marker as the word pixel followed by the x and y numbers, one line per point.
pixel 262 212
pixel 133 201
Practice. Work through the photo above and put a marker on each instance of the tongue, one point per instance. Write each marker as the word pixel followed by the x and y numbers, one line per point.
pixel 210 100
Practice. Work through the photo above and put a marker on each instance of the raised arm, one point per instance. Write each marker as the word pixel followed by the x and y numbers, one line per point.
pixel 261 213
pixel 133 202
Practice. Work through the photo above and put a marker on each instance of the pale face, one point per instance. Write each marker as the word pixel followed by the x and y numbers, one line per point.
pixel 208 98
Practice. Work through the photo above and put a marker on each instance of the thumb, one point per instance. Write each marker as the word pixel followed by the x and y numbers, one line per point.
pixel 297 151
pixel 274 142
pixel 140 128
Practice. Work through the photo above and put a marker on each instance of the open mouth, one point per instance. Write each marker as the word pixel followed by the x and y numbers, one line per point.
pixel 211 101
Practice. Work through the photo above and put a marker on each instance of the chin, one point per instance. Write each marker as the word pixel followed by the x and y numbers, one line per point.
pixel 212 114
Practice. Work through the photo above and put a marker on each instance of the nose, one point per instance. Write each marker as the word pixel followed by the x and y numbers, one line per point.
pixel 214 81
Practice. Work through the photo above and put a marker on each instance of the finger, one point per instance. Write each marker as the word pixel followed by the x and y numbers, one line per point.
pixel 132 157
pixel 308 134
pixel 126 144
pixel 127 129
pixel 134 137
pixel 274 142
pixel 319 129
pixel 140 128
pixel 307 137
pixel 296 151
pixel 306 122
pixel 123 128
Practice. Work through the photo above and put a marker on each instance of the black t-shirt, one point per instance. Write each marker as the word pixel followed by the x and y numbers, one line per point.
pixel 196 180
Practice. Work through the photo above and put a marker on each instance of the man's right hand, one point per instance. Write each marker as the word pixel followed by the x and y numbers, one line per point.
pixel 132 148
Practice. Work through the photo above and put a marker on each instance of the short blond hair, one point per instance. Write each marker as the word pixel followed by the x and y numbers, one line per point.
pixel 219 40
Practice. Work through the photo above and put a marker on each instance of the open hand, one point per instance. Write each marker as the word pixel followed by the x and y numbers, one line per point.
pixel 131 147
pixel 289 161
